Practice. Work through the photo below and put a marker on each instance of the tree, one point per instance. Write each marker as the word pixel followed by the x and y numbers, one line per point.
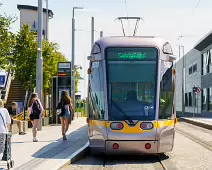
pixel 77 76
pixel 51 57
pixel 25 56
pixel 7 40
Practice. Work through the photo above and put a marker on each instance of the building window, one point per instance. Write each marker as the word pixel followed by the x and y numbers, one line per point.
pixel 190 99
pixel 190 70
pixel 210 99
pixel 205 58
pixel 210 61
pixel 194 68
pixel 204 99
pixel 186 99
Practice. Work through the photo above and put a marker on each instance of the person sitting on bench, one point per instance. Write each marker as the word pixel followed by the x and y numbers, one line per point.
pixel 12 111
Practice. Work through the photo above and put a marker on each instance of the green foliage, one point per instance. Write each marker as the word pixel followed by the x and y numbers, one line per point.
pixel 25 56
pixel 81 109
pixel 7 40
pixel 19 53
pixel 77 76
pixel 51 57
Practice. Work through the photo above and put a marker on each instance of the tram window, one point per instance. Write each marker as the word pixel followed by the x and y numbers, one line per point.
pixel 132 77
pixel 166 92
pixel 96 91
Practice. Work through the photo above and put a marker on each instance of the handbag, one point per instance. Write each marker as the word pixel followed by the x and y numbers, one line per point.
pixel 59 110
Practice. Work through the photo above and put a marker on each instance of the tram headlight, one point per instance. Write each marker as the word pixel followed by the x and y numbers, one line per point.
pixel 146 126
pixel 116 126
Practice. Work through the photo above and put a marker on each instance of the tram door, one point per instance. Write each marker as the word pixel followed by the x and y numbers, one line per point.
pixel 167 114
pixel 96 105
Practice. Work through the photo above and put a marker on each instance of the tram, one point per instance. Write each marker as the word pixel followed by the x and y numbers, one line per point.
pixel 131 96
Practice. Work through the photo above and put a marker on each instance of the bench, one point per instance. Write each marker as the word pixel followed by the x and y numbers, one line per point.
pixel 24 126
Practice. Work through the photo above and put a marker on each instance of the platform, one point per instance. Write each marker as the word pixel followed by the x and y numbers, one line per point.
pixel 51 151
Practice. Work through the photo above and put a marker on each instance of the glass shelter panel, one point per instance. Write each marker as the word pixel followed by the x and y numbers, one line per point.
pixel 132 82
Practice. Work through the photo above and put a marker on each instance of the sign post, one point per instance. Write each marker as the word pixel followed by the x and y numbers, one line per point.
pixel 63 79
pixel 2 80
pixel 196 90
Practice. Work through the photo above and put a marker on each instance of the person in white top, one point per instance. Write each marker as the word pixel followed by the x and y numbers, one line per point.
pixel 5 120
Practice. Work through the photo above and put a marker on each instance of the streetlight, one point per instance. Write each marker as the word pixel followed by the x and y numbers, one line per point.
pixel 73 57
pixel 47 18
pixel 183 75
pixel 39 63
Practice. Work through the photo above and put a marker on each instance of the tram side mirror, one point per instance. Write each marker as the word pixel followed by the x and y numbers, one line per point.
pixel 167 49
pixel 95 57
pixel 89 57
pixel 172 58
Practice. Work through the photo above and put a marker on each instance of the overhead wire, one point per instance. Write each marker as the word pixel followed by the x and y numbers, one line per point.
pixel 192 13
pixel 195 9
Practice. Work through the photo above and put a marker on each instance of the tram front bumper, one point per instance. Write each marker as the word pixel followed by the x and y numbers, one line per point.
pixel 131 147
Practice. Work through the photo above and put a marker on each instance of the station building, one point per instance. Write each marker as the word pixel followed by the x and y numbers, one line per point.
pixel 195 70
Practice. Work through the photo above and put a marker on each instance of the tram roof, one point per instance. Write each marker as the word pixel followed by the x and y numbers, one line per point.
pixel 130 41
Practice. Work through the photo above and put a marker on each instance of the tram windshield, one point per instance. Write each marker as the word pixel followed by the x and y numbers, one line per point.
pixel 132 83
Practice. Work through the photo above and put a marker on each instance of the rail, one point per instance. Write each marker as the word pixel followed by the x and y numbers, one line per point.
pixel 7 86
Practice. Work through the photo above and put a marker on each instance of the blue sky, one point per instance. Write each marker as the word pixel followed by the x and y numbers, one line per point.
pixel 167 18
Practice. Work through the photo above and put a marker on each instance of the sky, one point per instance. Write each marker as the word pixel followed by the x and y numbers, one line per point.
pixel 167 18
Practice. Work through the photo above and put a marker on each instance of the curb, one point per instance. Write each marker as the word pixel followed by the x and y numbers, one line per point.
pixel 200 124
pixel 74 157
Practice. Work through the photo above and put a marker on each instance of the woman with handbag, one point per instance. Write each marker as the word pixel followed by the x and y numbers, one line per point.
pixel 36 112
pixel 63 110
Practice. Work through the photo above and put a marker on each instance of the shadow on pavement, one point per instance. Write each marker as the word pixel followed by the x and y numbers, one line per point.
pixel 119 159
pixel 76 140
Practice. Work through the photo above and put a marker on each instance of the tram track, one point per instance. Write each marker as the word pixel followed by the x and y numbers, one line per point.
pixel 155 160
pixel 161 163
pixel 201 142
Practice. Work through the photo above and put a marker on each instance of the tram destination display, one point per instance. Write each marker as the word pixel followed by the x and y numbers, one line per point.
pixel 138 54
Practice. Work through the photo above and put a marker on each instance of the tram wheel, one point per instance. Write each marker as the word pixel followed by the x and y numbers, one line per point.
pixel 95 153
pixel 12 164
pixel 8 165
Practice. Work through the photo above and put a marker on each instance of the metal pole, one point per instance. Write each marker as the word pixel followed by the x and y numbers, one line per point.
pixel 193 103
pixel 39 66
pixel 179 51
pixel 183 80
pixel 92 31
pixel 197 103
pixel 101 34
pixel 57 99
pixel 72 62
pixel 47 19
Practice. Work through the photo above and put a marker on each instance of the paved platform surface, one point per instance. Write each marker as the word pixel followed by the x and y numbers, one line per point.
pixel 199 121
pixel 51 149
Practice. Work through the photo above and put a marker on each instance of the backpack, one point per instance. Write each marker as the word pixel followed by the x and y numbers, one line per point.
pixel 36 108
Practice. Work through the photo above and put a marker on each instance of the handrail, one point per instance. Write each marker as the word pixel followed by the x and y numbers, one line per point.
pixel 7 88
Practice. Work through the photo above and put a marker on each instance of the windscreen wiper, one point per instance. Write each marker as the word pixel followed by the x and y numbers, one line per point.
pixel 123 112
